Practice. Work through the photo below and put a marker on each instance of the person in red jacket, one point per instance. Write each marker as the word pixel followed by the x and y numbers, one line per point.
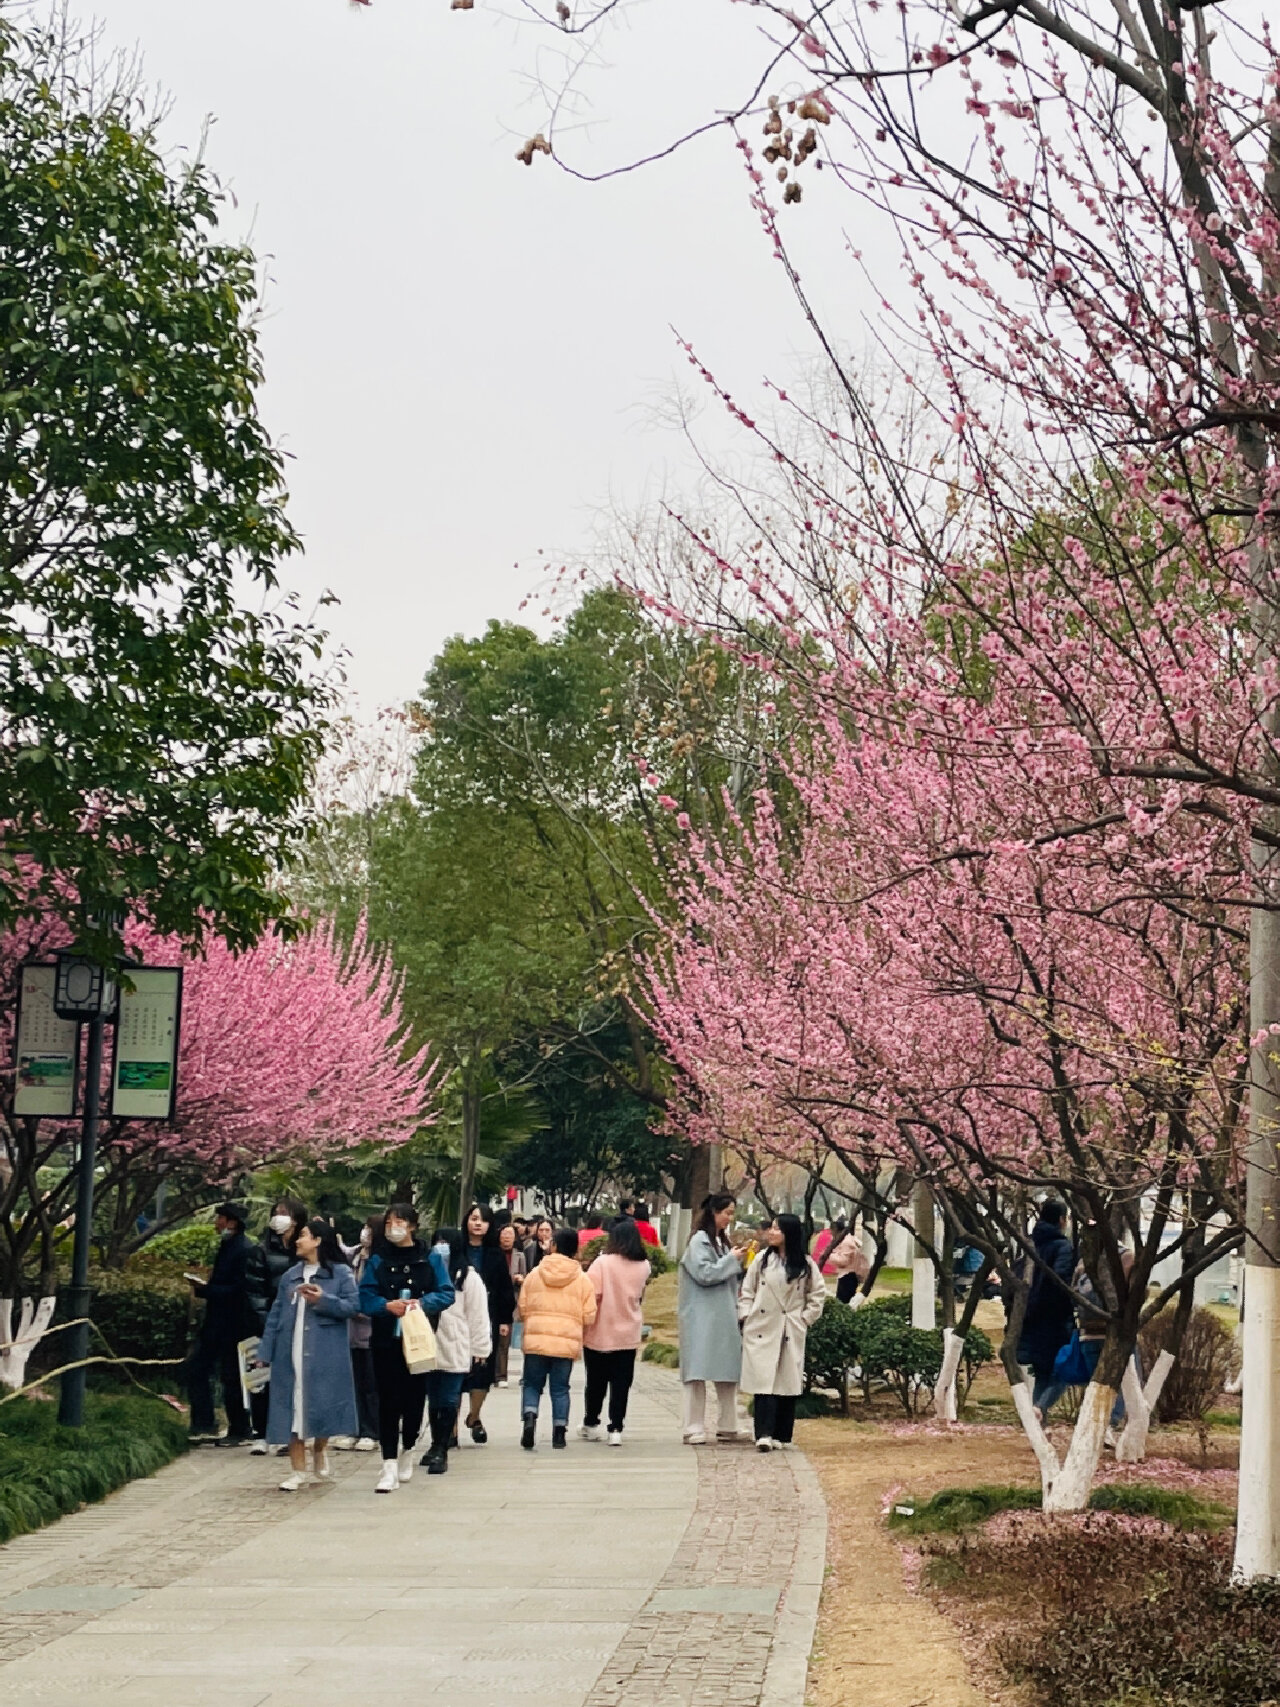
pixel 630 1210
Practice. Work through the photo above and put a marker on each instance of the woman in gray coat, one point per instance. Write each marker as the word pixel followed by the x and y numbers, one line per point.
pixel 305 1345
pixel 710 1343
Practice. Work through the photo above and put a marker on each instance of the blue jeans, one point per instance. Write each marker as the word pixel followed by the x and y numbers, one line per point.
pixel 538 1370
pixel 444 1389
pixel 1047 1391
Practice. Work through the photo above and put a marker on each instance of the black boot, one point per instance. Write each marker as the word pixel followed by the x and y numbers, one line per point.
pixel 436 1460
pixel 530 1424
pixel 558 1432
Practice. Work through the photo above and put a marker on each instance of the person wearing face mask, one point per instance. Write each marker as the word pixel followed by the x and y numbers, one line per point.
pixel 464 1337
pixel 267 1263
pixel 227 1320
pixel 485 1257
pixel 305 1346
pixel 400 1274
pixel 359 1330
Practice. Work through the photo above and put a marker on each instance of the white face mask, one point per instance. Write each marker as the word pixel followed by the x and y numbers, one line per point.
pixel 280 1223
pixel 398 1235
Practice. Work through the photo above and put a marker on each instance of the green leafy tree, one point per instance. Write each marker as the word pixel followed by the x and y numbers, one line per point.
pixel 157 729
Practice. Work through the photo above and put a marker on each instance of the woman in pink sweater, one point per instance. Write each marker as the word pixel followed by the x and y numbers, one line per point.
pixel 619 1276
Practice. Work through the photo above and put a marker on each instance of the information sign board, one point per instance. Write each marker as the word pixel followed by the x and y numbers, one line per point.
pixel 144 1066
pixel 48 1049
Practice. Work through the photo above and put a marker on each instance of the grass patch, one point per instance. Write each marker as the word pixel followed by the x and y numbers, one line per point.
pixel 892 1280
pixel 956 1509
pixel 659 1351
pixel 47 1471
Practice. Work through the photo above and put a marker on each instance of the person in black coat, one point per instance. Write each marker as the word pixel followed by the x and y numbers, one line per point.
pixel 269 1260
pixel 227 1320
pixel 1046 1327
pixel 484 1254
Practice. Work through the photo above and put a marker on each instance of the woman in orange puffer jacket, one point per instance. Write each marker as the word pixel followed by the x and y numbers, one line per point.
pixel 557 1303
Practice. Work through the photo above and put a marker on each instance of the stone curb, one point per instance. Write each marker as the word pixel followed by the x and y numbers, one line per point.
pixel 787 1673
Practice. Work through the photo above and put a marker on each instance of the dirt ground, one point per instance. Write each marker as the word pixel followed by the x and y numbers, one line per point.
pixel 878 1644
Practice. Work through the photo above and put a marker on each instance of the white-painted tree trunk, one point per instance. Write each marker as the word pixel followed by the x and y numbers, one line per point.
pixel 15 1349
pixel 1071 1487
pixel 1139 1405
pixel 923 1313
pixel 1065 1484
pixel 945 1404
pixel 1258 1518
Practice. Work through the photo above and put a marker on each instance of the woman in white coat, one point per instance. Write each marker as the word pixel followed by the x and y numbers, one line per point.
pixel 710 1343
pixel 782 1296
pixel 464 1337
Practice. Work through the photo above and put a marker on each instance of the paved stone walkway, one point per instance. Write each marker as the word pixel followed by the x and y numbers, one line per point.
pixel 654 1576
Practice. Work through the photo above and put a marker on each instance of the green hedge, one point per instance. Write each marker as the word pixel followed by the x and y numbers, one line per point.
pixel 659 1261
pixel 193 1247
pixel 47 1471
pixel 142 1315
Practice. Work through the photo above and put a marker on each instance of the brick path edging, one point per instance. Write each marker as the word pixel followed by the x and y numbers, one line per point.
pixel 788 1670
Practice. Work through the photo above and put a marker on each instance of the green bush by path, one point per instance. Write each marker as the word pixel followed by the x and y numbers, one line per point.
pixel 953 1510
pixel 658 1351
pixel 47 1471
pixel 184 1247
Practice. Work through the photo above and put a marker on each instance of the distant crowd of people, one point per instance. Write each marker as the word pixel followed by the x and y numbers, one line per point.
pixel 331 1370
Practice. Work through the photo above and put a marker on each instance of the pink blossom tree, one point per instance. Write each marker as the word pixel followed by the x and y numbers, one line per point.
pixel 290 1048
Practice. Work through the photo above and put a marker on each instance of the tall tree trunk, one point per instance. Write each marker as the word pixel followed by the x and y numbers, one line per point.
pixel 470 1145
pixel 923 1271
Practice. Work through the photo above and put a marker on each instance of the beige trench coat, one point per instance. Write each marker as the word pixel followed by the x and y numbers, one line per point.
pixel 776 1316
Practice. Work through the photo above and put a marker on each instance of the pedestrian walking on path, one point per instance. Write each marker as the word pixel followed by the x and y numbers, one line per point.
pixel 227 1320
pixel 540 1245
pixel 486 1258
pixel 305 1346
pixel 400 1275
pixel 618 1278
pixel 267 1264
pixel 782 1296
pixel 463 1338
pixel 710 1339
pixel 359 1337
pixel 557 1303
pixel 513 1256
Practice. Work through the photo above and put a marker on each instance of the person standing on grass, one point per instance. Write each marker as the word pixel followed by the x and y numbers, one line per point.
pixel 513 1256
pixel 1046 1325
pixel 464 1337
pixel 557 1304
pixel 268 1262
pixel 401 1274
pixel 227 1320
pixel 304 1344
pixel 618 1278
pixel 710 1339
pixel 782 1297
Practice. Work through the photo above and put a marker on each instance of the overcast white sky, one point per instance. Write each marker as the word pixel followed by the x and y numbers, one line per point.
pixel 461 351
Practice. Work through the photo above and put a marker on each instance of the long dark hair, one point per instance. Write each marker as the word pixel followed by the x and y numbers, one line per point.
pixel 625 1241
pixel 711 1207
pixel 457 1243
pixel 793 1253
pixel 331 1254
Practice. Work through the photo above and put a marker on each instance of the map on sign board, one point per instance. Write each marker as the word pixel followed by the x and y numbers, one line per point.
pixel 144 1068
pixel 48 1049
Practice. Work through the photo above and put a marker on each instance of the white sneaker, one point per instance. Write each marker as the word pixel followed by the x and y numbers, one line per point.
pixel 695 1439
pixel 389 1480
pixel 590 1432
pixel 343 1442
pixel 258 1449
pixel 365 1444
pixel 293 1481
pixel 405 1464
pixel 324 1469
pixel 1110 1439
pixel 615 1437
pixel 503 1383
pixel 764 1444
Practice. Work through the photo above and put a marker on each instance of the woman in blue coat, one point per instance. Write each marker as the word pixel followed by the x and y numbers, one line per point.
pixel 710 1338
pixel 305 1344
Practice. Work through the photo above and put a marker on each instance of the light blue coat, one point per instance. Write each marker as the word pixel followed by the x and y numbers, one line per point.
pixel 710 1340
pixel 328 1391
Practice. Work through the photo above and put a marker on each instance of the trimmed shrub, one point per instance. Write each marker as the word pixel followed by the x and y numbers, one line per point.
pixel 658 1351
pixel 831 1350
pixel 909 1360
pixel 1205 1362
pixel 184 1247
pixel 47 1471
pixel 143 1316
pixel 659 1261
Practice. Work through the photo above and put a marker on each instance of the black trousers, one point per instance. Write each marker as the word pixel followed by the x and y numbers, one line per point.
pixel 774 1415
pixel 259 1405
pixel 366 1391
pixel 611 1372
pixel 218 1357
pixel 847 1288
pixel 402 1398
